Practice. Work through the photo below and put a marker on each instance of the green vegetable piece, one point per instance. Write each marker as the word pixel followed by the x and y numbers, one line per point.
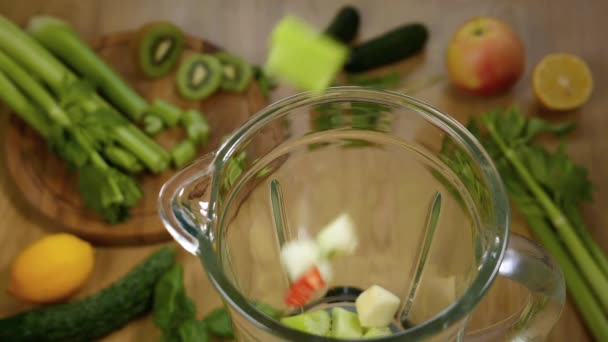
pixel 33 89
pixel 303 57
pixel 344 25
pixel 149 152
pixel 314 322
pixel 387 81
pixel 122 159
pixel 159 46
pixel 166 111
pixel 266 82
pixel 33 56
pixel 152 124
pixel 183 153
pixel 345 324
pixel 391 47
pixel 377 332
pixel 268 310
pixel 199 76
pixel 60 38
pixel 193 331
pixel 172 306
pixel 22 107
pixel 219 323
pixel 95 316
pixel 196 126
pixel 108 191
pixel 237 74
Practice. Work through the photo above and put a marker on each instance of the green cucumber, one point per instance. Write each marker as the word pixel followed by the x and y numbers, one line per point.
pixel 377 332
pixel 97 315
pixel 388 48
pixel 313 322
pixel 345 25
pixel 345 324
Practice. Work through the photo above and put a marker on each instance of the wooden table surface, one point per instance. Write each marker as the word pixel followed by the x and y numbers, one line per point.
pixel 243 26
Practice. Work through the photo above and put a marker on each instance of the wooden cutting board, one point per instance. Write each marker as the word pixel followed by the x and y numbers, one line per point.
pixel 50 189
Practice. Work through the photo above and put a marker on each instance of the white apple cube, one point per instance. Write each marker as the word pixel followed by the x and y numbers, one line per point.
pixel 376 307
pixel 338 237
pixel 325 269
pixel 298 256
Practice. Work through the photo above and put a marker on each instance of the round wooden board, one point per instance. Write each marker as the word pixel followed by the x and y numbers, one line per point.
pixel 51 189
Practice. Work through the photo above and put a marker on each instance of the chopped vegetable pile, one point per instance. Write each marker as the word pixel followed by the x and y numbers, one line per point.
pixel 307 262
pixel 308 265
pixel 372 317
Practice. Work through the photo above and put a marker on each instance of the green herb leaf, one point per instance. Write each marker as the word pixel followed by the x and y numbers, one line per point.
pixel 536 126
pixel 193 331
pixel 219 323
pixel 172 306
pixel 269 310
pixel 387 81
pixel 266 82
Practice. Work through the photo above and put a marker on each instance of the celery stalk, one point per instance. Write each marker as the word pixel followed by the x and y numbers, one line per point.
pixel 578 289
pixel 168 112
pixel 583 258
pixel 35 58
pixel 22 107
pixel 33 89
pixel 58 37
pixel 196 126
pixel 183 153
pixel 122 159
pixel 152 124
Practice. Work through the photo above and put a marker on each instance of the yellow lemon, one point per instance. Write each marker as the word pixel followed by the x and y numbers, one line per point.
pixel 51 269
pixel 562 81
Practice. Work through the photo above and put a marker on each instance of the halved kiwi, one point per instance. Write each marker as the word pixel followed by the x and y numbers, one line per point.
pixel 199 76
pixel 237 73
pixel 159 46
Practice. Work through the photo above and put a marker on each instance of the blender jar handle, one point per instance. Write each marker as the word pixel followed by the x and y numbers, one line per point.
pixel 529 265
pixel 183 203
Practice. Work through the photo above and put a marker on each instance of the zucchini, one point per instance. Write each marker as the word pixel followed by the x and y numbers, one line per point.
pixel 345 25
pixel 391 47
pixel 97 315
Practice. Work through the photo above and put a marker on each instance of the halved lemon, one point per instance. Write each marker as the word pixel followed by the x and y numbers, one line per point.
pixel 562 81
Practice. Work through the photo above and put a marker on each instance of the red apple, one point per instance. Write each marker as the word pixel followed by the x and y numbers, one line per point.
pixel 485 56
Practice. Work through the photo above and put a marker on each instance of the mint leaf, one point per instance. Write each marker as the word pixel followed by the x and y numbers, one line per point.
pixel 219 323
pixel 193 331
pixel 172 306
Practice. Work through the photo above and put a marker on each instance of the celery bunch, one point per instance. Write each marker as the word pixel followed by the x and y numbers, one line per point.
pixel 104 147
pixel 547 188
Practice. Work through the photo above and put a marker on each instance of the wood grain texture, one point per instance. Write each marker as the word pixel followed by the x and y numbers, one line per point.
pixel 51 189
pixel 243 27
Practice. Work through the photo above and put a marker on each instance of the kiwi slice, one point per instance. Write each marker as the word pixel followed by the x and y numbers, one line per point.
pixel 313 322
pixel 237 74
pixel 159 46
pixel 199 76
